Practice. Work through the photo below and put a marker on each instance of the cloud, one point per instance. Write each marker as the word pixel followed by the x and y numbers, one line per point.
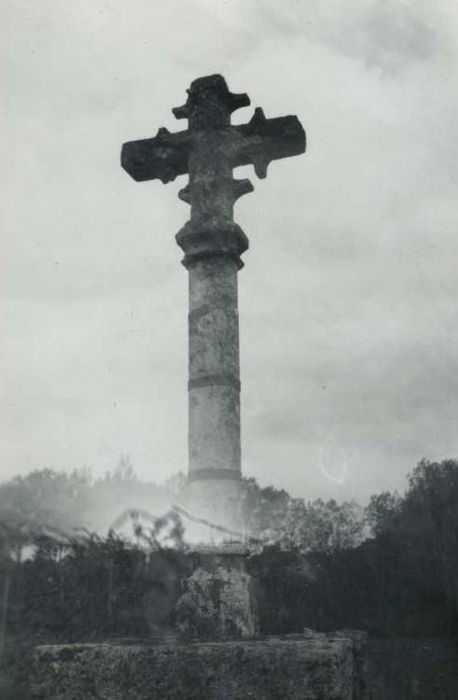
pixel 348 297
pixel 387 35
pixel 393 35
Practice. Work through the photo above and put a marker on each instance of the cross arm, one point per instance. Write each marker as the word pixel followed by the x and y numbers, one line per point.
pixel 263 140
pixel 163 157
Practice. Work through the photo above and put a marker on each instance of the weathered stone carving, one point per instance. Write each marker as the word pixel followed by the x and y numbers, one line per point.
pixel 212 243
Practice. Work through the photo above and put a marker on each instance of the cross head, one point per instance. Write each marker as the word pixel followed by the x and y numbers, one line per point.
pixel 208 151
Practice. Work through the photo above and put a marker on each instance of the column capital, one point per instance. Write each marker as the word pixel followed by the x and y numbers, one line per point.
pixel 202 241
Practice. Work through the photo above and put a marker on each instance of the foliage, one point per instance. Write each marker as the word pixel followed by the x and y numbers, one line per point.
pixel 44 498
pixel 292 523
pixel 263 508
pixel 282 580
pixel 57 502
pixel 318 571
pixel 89 589
pixel 402 581
pixel 322 526
pixel 381 511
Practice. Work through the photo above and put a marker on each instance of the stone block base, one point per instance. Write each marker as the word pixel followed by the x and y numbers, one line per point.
pixel 289 668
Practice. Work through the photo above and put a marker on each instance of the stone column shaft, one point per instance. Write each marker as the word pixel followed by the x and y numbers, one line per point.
pixel 214 375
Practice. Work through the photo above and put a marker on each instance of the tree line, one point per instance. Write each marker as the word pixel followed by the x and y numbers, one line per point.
pixel 390 568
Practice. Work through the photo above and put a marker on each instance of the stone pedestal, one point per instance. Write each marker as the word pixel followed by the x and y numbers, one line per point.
pixel 218 601
pixel 289 668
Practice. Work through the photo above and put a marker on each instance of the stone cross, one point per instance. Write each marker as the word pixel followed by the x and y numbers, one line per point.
pixel 208 151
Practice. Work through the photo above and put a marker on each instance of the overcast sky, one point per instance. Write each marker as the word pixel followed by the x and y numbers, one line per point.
pixel 349 295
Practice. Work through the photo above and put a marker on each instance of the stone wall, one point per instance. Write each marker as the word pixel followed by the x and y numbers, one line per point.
pixel 311 667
